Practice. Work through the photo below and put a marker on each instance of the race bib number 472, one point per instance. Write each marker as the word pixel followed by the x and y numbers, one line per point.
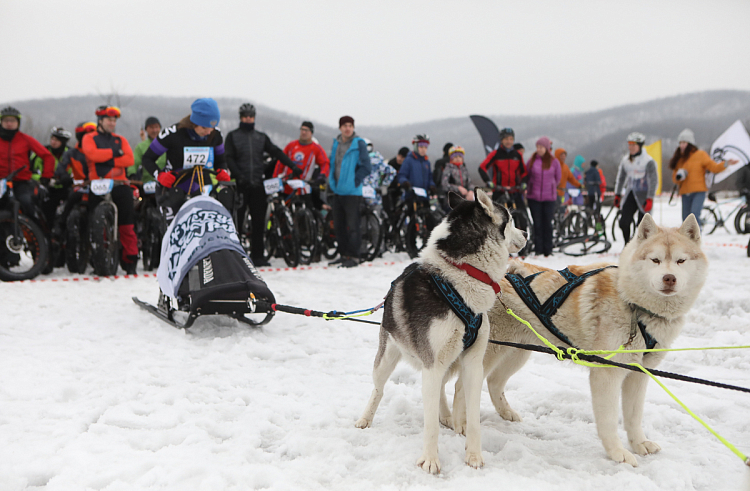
pixel 193 156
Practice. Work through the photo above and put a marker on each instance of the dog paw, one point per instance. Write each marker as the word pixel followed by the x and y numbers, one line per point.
pixel 645 447
pixel 446 421
pixel 509 414
pixel 474 460
pixel 429 464
pixel 363 423
pixel 459 427
pixel 621 455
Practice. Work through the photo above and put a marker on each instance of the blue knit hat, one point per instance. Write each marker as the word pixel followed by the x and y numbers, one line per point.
pixel 205 112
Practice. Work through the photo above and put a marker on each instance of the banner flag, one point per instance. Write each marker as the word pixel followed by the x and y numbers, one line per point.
pixel 654 150
pixel 488 131
pixel 733 144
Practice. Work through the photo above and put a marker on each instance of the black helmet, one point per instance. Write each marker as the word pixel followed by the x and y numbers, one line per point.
pixel 10 111
pixel 507 132
pixel 61 134
pixel 247 109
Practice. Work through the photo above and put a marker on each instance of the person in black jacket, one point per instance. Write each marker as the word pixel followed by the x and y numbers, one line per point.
pixel 244 148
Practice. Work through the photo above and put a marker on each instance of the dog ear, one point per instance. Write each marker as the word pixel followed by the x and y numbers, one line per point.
pixel 486 203
pixel 647 228
pixel 691 229
pixel 454 199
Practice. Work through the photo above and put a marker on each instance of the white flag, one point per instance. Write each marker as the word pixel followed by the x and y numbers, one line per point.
pixel 733 144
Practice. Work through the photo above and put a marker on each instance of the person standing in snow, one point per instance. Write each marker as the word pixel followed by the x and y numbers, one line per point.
pixel 456 174
pixel 566 177
pixel 637 180
pixel 593 180
pixel 380 177
pixel 543 174
pixel 504 168
pixel 577 172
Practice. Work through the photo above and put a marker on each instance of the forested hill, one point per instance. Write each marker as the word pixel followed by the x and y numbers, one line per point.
pixel 596 135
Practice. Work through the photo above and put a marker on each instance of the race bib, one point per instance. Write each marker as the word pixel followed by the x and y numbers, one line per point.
pixel 420 192
pixel 574 193
pixel 149 187
pixel 272 185
pixel 639 173
pixel 3 187
pixel 193 156
pixel 296 183
pixel 101 187
pixel 368 192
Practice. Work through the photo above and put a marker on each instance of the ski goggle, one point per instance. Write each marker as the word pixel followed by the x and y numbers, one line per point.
pixel 423 144
pixel 86 128
pixel 108 111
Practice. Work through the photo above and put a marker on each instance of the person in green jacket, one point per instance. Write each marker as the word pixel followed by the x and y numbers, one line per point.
pixel 57 192
pixel 135 171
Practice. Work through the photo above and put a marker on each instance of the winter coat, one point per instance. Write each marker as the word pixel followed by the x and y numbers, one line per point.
pixel 244 148
pixel 696 166
pixel 14 154
pixel 454 176
pixel 381 174
pixel 310 157
pixel 542 182
pixel 593 181
pixel 637 176
pixel 102 151
pixel 566 177
pixel 416 170
pixel 504 167
pixel 135 171
pixel 354 167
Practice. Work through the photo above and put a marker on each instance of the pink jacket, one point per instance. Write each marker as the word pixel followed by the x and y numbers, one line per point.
pixel 542 184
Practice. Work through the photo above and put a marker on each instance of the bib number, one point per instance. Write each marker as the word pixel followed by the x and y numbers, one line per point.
pixel 100 187
pixel 420 192
pixel 272 185
pixel 574 193
pixel 368 192
pixel 194 156
pixel 299 184
pixel 149 187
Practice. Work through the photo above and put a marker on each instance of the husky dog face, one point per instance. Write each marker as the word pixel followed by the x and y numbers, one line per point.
pixel 666 262
pixel 473 226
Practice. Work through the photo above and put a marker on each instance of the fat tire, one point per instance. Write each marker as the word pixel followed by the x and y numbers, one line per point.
pixel 739 220
pixel 104 247
pixel 372 231
pixel 34 238
pixel 77 252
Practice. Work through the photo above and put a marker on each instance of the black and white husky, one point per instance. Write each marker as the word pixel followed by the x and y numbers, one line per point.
pixel 468 250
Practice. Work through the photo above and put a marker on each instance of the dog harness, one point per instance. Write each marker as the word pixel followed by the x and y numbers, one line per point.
pixel 544 312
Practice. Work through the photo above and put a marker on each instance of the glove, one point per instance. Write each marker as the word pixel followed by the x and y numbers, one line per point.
pixel 406 186
pixel 166 179
pixel 296 171
pixel 118 152
pixel 66 181
pixel 44 181
pixel 491 185
pixel 433 190
pixel 617 200
pixel 222 175
pixel 649 204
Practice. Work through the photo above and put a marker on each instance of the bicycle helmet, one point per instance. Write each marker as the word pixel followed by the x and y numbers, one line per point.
pixel 507 132
pixel 456 150
pixel 10 111
pixel 423 138
pixel 85 127
pixel 61 134
pixel 108 112
pixel 369 144
pixel 636 137
pixel 247 109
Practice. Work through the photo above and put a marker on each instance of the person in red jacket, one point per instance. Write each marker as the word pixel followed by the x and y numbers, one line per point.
pixel 108 156
pixel 15 148
pixel 309 156
pixel 504 168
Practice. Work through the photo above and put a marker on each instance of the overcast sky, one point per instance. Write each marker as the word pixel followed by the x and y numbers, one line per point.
pixel 383 62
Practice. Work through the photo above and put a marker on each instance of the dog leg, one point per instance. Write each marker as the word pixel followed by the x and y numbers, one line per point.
pixel 605 392
pixel 633 398
pixel 383 369
pixel 459 406
pixel 445 411
pixel 473 372
pixel 510 362
pixel 432 378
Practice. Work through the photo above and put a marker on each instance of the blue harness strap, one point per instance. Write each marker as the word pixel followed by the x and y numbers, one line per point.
pixel 544 312
pixel 648 338
pixel 471 320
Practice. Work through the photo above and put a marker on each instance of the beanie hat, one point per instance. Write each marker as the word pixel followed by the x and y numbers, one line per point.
pixel 686 135
pixel 345 119
pixel 403 151
pixel 544 141
pixel 205 112
pixel 151 120
pixel 518 146
pixel 308 124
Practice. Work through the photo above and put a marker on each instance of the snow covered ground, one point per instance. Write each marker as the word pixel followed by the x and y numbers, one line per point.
pixel 97 394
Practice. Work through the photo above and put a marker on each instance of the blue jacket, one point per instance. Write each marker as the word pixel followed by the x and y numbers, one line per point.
pixel 355 166
pixel 416 170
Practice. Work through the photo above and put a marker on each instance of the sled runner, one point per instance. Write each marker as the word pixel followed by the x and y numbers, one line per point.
pixel 205 270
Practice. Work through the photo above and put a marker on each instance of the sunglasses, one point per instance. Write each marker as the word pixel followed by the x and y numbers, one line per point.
pixel 109 111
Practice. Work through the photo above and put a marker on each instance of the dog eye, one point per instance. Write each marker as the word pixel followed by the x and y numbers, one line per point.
pixel 656 261
pixel 680 261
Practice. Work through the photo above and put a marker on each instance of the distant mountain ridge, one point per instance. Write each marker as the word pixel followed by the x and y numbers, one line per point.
pixel 596 135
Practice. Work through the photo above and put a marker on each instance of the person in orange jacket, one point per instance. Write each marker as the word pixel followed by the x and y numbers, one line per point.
pixel 15 148
pixel 109 155
pixel 689 166
pixel 566 177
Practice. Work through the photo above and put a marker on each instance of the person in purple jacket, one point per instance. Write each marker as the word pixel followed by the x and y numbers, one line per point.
pixel 543 175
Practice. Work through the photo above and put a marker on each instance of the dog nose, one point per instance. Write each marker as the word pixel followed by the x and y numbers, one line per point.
pixel 669 280
pixel 525 234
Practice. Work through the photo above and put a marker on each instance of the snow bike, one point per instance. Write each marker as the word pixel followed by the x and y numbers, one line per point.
pixel 24 251
pixel 203 268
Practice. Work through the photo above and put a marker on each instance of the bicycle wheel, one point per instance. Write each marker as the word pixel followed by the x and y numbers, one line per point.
pixel 521 222
pixel 741 221
pixel 372 235
pixel 330 245
pixel 617 231
pixel 708 221
pixel 307 231
pixel 288 240
pixel 575 225
pixel 154 232
pixel 581 246
pixel 76 246
pixel 22 257
pixel 103 244
pixel 416 235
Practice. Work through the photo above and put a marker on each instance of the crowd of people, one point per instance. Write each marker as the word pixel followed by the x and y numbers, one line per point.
pixel 47 179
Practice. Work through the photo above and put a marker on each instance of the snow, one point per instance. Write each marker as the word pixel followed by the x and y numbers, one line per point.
pixel 98 394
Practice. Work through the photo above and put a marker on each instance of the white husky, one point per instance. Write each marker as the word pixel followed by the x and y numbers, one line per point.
pixel 420 325
pixel 660 274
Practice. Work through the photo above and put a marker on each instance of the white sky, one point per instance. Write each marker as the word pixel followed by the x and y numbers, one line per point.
pixel 383 62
